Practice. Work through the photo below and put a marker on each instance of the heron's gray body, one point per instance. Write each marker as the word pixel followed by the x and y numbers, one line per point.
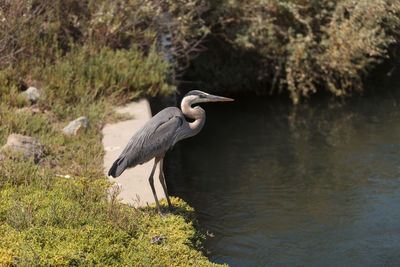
pixel 156 137
pixel 160 134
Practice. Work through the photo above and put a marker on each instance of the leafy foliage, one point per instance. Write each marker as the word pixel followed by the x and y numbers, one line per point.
pixel 117 38
pixel 84 75
pixel 271 47
pixel 72 223
pixel 307 46
pixel 42 27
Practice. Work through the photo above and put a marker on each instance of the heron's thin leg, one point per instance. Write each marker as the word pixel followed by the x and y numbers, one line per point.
pixel 164 184
pixel 151 181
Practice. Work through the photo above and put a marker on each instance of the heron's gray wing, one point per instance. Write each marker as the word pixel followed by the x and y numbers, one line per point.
pixel 153 139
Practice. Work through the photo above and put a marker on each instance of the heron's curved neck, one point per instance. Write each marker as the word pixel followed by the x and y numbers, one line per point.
pixel 197 113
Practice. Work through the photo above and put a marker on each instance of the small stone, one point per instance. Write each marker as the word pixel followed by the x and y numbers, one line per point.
pixel 33 94
pixel 64 176
pixel 76 126
pixel 24 146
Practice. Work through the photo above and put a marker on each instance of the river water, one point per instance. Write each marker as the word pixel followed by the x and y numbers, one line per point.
pixel 315 187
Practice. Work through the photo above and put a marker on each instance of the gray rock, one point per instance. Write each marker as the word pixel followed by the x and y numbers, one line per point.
pixel 33 94
pixel 21 146
pixel 75 126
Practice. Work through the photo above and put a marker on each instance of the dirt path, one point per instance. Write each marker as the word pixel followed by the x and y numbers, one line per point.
pixel 134 181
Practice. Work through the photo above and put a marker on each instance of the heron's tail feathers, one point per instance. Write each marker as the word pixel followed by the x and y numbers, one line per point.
pixel 117 168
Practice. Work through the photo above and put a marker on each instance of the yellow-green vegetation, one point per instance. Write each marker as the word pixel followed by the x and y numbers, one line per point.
pixel 86 56
pixel 72 222
pixel 49 220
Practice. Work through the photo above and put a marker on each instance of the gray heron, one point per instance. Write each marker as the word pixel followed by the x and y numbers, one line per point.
pixel 160 134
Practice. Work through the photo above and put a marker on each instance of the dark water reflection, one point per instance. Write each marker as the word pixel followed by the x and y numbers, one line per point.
pixel 321 188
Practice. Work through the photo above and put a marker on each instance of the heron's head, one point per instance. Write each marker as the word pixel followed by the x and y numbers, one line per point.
pixel 197 96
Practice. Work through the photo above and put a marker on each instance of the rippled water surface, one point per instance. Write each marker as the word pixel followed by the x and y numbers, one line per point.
pixel 319 187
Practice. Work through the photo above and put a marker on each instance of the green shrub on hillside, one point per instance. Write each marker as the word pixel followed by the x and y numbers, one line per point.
pixel 90 74
pixel 91 44
pixel 34 31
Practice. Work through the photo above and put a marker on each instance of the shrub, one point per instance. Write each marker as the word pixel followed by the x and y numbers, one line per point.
pixel 72 223
pixel 37 30
pixel 308 46
pixel 90 74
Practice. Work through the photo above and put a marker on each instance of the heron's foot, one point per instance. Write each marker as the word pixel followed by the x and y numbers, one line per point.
pixel 162 214
pixel 172 210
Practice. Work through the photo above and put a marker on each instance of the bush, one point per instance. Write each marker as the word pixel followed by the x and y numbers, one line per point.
pixel 306 46
pixel 42 28
pixel 56 35
pixel 72 223
pixel 90 74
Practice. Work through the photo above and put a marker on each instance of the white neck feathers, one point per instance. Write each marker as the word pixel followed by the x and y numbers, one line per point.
pixel 197 113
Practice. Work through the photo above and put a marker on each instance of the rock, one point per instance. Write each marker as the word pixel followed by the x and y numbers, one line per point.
pixel 33 94
pixel 22 146
pixel 75 126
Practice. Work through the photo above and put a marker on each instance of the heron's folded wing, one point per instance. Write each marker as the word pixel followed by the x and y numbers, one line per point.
pixel 153 139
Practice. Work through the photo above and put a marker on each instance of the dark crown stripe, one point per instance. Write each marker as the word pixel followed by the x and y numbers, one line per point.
pixel 194 92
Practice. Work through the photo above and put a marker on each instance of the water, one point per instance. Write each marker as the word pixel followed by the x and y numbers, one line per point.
pixel 319 187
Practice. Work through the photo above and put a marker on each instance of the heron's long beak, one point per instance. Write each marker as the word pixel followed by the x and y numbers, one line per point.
pixel 215 98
